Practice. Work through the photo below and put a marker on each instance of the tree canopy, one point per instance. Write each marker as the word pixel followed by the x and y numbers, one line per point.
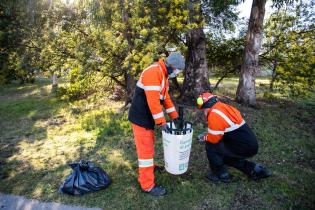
pixel 100 45
pixel 289 49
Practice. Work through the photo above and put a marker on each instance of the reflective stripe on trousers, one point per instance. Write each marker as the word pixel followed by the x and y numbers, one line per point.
pixel 144 140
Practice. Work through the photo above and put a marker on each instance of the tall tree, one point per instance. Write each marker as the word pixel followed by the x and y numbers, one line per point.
pixel 134 33
pixel 196 78
pixel 217 16
pixel 20 23
pixel 127 33
pixel 246 91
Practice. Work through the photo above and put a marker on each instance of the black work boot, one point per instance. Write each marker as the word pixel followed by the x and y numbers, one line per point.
pixel 219 173
pixel 259 172
pixel 224 177
pixel 156 191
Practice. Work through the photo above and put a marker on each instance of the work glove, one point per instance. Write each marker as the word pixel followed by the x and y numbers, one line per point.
pixel 165 128
pixel 202 137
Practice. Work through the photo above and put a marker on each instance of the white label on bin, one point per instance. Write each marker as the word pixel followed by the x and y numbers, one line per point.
pixel 185 144
pixel 184 154
pixel 166 142
pixel 183 166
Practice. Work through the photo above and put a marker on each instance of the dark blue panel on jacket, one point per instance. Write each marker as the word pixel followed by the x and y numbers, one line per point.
pixel 139 112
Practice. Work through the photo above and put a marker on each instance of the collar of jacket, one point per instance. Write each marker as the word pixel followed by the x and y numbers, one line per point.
pixel 210 103
pixel 162 64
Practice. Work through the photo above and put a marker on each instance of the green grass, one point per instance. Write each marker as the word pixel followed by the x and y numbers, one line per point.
pixel 40 134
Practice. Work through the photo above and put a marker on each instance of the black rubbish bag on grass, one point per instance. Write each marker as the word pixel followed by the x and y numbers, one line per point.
pixel 85 178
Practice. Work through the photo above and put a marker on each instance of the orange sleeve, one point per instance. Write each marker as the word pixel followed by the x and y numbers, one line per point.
pixel 169 106
pixel 216 127
pixel 152 79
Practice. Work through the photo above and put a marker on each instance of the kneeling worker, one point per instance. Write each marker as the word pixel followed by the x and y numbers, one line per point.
pixel 150 96
pixel 229 141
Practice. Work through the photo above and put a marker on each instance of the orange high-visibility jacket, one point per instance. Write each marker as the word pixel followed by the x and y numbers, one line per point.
pixel 222 118
pixel 150 96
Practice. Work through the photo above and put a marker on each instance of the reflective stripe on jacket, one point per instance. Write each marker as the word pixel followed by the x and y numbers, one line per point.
pixel 150 96
pixel 222 118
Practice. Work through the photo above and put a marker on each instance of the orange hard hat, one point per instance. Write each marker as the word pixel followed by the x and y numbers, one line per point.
pixel 203 98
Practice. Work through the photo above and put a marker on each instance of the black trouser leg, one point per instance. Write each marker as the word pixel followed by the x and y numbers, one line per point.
pixel 241 164
pixel 215 158
pixel 240 144
pixel 219 155
pixel 233 150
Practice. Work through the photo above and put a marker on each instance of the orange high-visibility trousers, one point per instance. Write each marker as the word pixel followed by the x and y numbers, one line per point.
pixel 144 139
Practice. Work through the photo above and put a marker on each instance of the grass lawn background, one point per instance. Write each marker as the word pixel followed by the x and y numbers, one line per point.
pixel 40 134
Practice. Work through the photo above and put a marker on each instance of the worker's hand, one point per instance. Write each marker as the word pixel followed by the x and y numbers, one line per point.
pixel 202 137
pixel 165 128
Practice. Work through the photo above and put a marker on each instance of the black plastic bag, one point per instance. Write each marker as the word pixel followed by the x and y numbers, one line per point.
pixel 85 178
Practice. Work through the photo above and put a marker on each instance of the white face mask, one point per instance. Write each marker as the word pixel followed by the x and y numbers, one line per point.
pixel 174 73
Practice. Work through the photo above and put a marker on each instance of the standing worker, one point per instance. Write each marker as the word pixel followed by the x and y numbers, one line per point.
pixel 229 141
pixel 150 96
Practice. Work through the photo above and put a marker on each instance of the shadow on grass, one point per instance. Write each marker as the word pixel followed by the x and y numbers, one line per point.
pixel 24 117
pixel 284 137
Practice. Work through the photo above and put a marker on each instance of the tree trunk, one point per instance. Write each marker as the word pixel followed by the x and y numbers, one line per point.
pixel 130 87
pixel 174 87
pixel 54 85
pixel 127 32
pixel 246 91
pixel 274 74
pixel 196 78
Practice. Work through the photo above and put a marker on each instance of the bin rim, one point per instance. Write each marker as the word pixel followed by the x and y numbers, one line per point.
pixel 183 129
